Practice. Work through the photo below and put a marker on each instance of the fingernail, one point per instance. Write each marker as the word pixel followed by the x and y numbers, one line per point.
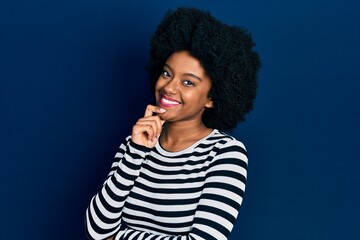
pixel 162 110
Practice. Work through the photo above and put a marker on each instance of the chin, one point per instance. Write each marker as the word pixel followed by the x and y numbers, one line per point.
pixel 162 116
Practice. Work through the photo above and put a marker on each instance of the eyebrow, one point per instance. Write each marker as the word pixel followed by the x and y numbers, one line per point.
pixel 186 74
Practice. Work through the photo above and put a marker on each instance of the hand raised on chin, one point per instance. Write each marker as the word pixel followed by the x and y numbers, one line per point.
pixel 148 128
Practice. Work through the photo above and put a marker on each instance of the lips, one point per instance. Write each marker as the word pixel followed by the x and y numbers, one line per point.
pixel 168 102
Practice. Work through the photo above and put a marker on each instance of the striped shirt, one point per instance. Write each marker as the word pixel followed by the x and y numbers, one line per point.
pixel 195 193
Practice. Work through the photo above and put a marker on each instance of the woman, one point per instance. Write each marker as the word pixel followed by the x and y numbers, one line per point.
pixel 178 176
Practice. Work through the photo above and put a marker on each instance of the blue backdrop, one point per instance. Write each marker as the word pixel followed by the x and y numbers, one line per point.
pixel 72 83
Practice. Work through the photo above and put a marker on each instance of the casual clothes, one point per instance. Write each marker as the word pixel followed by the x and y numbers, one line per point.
pixel 195 193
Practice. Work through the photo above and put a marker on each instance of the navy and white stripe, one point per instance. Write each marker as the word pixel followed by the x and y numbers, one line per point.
pixel 195 193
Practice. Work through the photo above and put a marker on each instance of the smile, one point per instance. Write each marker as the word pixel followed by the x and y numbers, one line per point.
pixel 168 102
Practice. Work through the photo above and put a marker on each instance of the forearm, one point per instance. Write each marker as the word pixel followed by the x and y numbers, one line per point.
pixel 103 216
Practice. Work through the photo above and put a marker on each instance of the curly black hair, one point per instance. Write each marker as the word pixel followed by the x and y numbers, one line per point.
pixel 224 51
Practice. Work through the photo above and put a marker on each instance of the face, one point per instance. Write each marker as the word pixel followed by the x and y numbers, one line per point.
pixel 183 88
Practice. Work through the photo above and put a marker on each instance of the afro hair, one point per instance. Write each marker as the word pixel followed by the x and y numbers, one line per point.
pixel 224 51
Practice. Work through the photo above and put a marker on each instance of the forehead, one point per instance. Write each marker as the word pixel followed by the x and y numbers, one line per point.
pixel 185 63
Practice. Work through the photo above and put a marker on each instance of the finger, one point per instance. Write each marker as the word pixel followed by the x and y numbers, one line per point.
pixel 155 124
pixel 144 128
pixel 154 121
pixel 151 119
pixel 151 109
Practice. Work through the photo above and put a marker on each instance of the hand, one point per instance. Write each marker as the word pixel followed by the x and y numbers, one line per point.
pixel 147 129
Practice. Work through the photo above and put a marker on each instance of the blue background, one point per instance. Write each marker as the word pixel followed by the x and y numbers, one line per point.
pixel 72 83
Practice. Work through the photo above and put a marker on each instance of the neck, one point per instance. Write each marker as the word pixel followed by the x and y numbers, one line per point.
pixel 179 135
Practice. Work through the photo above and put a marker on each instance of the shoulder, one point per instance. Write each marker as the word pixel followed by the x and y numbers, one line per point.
pixel 223 139
pixel 230 161
pixel 228 147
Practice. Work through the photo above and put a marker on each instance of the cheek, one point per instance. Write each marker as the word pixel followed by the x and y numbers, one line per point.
pixel 159 84
pixel 203 97
pixel 157 88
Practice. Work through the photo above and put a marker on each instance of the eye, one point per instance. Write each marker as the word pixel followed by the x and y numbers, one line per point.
pixel 188 83
pixel 165 74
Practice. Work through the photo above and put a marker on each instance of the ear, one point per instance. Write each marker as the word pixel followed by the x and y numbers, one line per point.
pixel 209 104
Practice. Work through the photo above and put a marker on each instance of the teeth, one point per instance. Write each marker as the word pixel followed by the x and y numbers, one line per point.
pixel 168 101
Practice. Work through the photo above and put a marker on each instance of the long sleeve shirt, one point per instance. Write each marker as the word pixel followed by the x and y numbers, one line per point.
pixel 195 193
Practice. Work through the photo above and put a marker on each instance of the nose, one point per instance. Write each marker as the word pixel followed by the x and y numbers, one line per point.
pixel 172 86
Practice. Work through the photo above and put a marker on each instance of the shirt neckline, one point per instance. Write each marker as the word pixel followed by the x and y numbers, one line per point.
pixel 161 150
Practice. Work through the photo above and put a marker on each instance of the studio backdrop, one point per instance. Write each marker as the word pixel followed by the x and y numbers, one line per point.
pixel 73 82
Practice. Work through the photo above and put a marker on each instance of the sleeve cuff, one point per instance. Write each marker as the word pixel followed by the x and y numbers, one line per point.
pixel 138 149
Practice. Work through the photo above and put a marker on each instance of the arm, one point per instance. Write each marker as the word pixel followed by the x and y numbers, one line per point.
pixel 220 200
pixel 103 216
